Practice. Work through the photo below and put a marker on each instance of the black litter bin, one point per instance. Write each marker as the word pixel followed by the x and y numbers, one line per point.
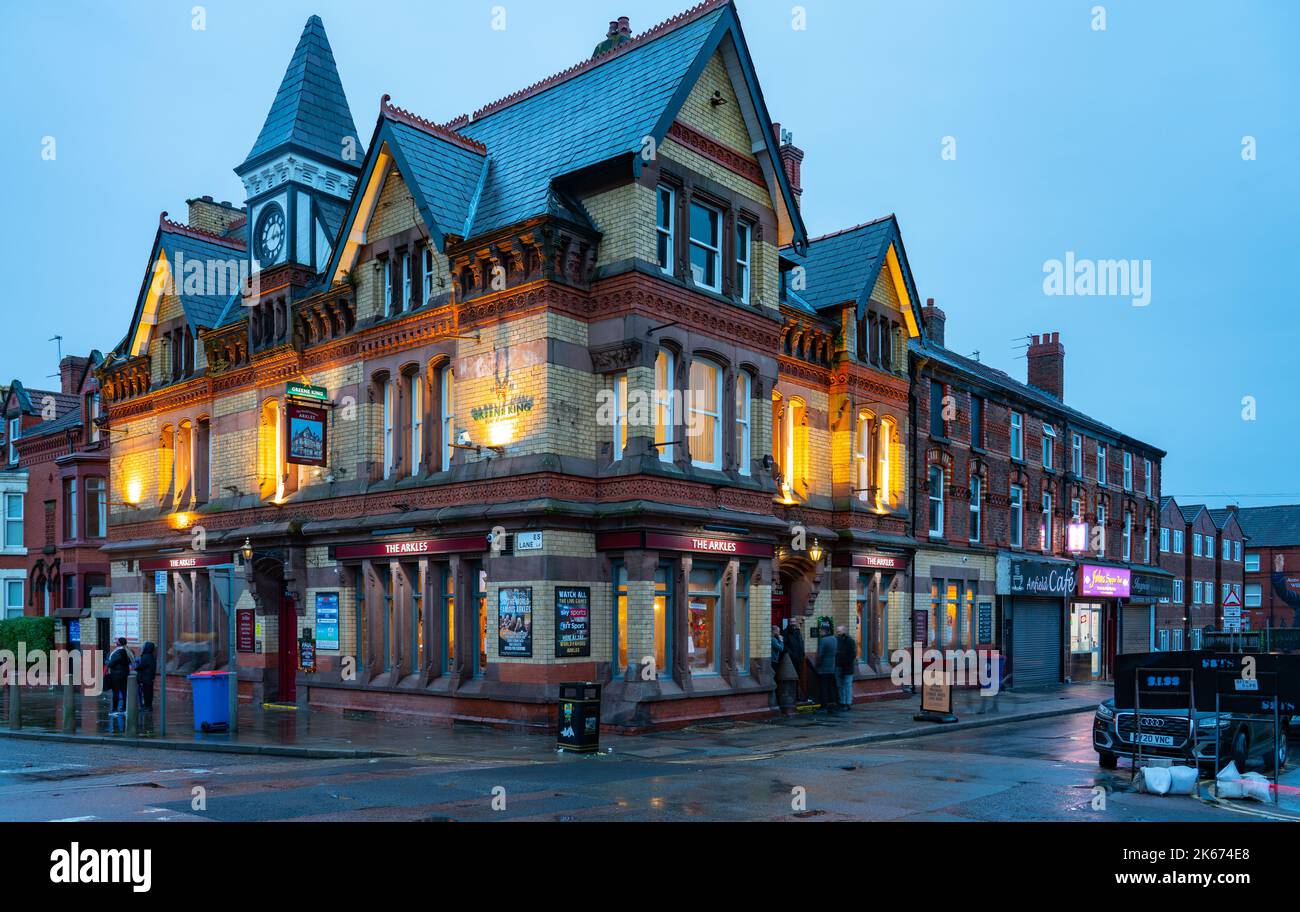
pixel 578 718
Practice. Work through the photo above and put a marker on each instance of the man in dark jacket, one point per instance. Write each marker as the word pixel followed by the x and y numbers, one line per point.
pixel 846 664
pixel 794 649
pixel 826 649
pixel 119 669
pixel 146 669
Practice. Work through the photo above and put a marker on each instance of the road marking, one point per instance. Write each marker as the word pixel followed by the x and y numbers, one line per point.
pixel 74 819
pixel 44 769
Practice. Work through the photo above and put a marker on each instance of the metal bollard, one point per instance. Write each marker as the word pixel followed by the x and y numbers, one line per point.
pixel 132 705
pixel 69 705
pixel 15 705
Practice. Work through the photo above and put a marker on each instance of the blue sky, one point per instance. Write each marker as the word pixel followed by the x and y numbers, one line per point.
pixel 1117 144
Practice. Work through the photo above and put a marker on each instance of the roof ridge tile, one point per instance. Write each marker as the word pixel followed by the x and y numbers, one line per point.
pixel 173 227
pixel 427 126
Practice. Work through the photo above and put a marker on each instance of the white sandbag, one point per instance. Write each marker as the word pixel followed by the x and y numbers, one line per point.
pixel 1257 787
pixel 1155 780
pixel 1228 783
pixel 1182 780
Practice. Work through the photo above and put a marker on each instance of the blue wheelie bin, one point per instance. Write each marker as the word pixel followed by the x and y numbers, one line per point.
pixel 211 700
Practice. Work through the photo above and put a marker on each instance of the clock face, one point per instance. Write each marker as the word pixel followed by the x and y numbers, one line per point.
pixel 270 235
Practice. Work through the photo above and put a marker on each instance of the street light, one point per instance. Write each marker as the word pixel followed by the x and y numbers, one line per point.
pixel 247 550
pixel 815 552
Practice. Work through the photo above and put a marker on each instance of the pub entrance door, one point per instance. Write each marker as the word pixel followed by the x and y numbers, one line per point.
pixel 288 651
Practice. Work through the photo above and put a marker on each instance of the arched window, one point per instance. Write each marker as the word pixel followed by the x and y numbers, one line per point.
pixel 665 419
pixel 744 425
pixel 415 411
pixel 704 415
pixel 888 463
pixel 166 463
pixel 183 462
pixel 447 402
pixel 862 456
pixel 270 456
pixel 202 460
pixel 388 419
pixel 796 446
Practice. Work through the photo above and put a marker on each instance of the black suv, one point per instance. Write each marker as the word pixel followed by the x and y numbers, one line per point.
pixel 1245 739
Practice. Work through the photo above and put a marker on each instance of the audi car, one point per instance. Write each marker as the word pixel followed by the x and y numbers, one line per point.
pixel 1246 740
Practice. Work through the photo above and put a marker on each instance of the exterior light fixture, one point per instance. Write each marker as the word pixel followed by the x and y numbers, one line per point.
pixel 1077 536
pixel 815 552
pixel 247 550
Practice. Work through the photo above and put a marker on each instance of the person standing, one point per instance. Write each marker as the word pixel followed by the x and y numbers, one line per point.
pixel 846 663
pixel 119 669
pixel 146 669
pixel 794 649
pixel 778 646
pixel 826 648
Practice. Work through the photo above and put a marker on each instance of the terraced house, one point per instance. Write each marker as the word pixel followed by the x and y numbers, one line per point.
pixel 447 417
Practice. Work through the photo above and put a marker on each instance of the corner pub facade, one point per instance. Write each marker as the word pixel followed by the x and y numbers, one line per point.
pixel 557 391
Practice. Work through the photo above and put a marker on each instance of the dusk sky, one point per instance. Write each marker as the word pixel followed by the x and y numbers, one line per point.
pixel 1123 143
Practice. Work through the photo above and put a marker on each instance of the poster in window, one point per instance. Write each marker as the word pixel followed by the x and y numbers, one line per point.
pixel 515 622
pixel 572 622
pixel 306 429
pixel 327 620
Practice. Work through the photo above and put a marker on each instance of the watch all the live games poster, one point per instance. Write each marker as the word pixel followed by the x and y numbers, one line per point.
pixel 307 434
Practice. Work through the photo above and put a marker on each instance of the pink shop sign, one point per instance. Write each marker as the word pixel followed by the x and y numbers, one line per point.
pixel 1109 582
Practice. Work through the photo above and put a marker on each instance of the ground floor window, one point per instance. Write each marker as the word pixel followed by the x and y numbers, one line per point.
pixel 197 620
pixel 13 595
pixel 661 622
pixel 740 619
pixel 951 605
pixel 872 615
pixel 702 621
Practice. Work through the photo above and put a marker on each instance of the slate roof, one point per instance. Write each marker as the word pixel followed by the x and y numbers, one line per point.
pixel 1002 380
pixel 1271 527
pixel 842 265
pixel 190 244
pixel 69 418
pixel 1221 518
pixel 1190 512
pixel 446 174
pixel 604 111
pixel 310 112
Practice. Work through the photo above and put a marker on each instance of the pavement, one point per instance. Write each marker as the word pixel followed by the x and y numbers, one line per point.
pixel 306 734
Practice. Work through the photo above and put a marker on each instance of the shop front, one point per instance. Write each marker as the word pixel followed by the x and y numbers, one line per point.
pixel 1095 620
pixel 1034 595
pixel 954 601
pixel 1137 614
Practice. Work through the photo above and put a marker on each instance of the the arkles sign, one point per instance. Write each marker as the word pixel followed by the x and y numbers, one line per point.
pixel 306 429
pixel 515 622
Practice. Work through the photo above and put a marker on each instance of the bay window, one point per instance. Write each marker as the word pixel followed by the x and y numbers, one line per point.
pixel 70 525
pixel 96 508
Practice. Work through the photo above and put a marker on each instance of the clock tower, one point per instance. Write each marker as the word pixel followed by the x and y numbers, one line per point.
pixel 301 172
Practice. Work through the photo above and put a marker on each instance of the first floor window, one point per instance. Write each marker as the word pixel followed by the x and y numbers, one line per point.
pixel 415 396
pixel 96 508
pixel 704 415
pixel 447 385
pixel 1101 530
pixel 706 247
pixel 390 422
pixel 976 484
pixel 665 420
pixel 665 226
pixel 70 524
pixel 1128 535
pixel 1178 590
pixel 1017 516
pixel 1046 540
pixel 1196 592
pixel 936 500
pixel 620 415
pixel 1146 544
pixel 862 456
pixel 1254 595
pixel 13 598
pixel 744 233
pixel 13 519
pixel 744 405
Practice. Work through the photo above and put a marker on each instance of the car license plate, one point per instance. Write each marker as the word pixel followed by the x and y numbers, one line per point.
pixel 1161 740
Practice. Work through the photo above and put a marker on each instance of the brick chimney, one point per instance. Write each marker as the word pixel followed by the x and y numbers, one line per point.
pixel 70 371
pixel 211 216
pixel 792 160
pixel 1047 364
pixel 934 321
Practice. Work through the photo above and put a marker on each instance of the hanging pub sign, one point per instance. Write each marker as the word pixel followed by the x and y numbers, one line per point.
pixel 515 622
pixel 305 391
pixel 572 622
pixel 306 429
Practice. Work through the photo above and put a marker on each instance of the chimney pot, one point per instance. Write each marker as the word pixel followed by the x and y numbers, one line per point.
pixel 624 25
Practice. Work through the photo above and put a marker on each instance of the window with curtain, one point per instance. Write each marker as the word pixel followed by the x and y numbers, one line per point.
pixel 447 403
pixel 887 473
pixel 704 415
pixel 415 402
pixel 665 420
pixel 862 457
pixel 744 425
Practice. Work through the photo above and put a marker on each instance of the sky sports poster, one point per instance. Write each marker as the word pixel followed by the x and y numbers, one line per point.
pixel 572 622
pixel 307 434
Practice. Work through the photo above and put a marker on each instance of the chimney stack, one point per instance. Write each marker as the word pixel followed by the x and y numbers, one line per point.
pixel 215 218
pixel 619 34
pixel 70 371
pixel 1047 364
pixel 934 319
pixel 792 161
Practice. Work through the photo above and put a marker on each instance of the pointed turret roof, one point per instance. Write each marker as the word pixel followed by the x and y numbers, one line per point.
pixel 310 112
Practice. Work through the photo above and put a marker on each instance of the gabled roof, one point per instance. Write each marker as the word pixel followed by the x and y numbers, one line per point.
pixel 1271 527
pixel 842 268
pixel 996 379
pixel 1165 502
pixel 310 112
pixel 443 170
pixel 1191 511
pixel 180 243
pixel 1222 518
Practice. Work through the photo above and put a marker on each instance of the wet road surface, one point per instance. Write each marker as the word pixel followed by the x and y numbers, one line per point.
pixel 1043 770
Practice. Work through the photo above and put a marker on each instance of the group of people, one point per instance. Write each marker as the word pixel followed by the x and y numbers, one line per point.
pixel 833 664
pixel 119 666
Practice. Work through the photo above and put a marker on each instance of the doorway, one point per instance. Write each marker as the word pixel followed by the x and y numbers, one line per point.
pixel 1087 642
pixel 288 652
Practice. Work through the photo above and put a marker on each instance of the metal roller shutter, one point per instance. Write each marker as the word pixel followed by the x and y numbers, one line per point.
pixel 1036 643
pixel 1136 628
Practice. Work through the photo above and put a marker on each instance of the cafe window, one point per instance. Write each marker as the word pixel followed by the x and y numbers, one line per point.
pixel 665 420
pixel 70 525
pixel 661 621
pixel 976 486
pixel 744 424
pixel 1017 516
pixel 704 415
pixel 706 246
pixel 96 508
pixel 936 500
pixel 665 227
pixel 702 622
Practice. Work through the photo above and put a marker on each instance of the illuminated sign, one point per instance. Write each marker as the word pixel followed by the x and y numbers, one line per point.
pixel 1108 582
pixel 303 391
pixel 502 409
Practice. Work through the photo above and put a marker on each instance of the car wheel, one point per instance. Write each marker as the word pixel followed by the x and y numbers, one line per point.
pixel 1107 760
pixel 1276 759
pixel 1240 749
